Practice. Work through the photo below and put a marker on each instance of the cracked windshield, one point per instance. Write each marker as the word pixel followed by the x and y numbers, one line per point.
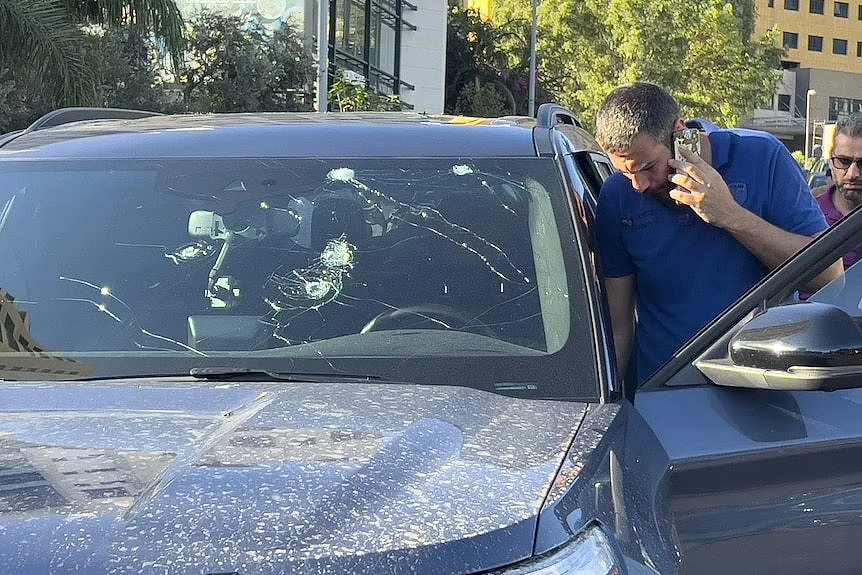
pixel 355 267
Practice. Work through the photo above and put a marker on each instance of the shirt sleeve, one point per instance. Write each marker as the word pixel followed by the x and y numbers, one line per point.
pixel 614 258
pixel 792 206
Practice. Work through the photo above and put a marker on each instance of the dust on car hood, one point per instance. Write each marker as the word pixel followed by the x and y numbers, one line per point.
pixel 182 477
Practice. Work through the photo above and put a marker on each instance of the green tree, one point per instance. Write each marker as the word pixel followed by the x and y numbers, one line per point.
pixel 126 67
pixel 486 65
pixel 162 18
pixel 703 51
pixel 485 100
pixel 233 64
pixel 42 44
pixel 347 95
pixel 125 70
pixel 14 112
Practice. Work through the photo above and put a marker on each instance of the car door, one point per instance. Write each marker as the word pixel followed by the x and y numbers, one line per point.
pixel 759 419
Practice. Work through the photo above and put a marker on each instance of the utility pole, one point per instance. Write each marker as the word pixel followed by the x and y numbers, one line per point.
pixel 533 33
pixel 808 95
pixel 322 55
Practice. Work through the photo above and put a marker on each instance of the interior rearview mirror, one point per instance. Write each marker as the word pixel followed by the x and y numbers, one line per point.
pixel 204 224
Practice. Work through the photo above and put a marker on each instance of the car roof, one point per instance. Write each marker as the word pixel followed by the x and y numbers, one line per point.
pixel 277 134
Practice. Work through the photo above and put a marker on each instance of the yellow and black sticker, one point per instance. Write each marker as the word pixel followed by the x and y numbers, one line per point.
pixel 21 356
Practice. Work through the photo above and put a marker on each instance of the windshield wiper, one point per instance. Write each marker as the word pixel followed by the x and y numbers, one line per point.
pixel 253 374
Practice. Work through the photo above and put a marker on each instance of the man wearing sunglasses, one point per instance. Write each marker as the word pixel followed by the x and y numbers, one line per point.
pixel 845 193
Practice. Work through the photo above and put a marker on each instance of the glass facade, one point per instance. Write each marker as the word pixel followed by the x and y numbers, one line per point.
pixel 840 108
pixel 365 38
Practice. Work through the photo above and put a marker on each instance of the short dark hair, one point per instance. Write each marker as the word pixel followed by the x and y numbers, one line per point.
pixel 850 126
pixel 634 109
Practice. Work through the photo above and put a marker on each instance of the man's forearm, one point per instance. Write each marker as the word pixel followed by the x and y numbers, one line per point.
pixel 623 346
pixel 773 246
pixel 621 304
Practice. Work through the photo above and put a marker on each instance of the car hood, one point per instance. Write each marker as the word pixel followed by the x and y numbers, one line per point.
pixel 179 477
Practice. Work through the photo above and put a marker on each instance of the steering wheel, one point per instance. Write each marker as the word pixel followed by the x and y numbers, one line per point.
pixel 425 316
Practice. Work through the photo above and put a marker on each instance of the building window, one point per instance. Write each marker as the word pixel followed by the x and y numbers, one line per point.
pixel 772 3
pixel 842 9
pixel 859 49
pixel 840 108
pixel 860 11
pixel 350 28
pixel 839 46
pixel 815 43
pixel 367 41
pixel 791 40
pixel 783 102
pixel 815 6
pixel 791 4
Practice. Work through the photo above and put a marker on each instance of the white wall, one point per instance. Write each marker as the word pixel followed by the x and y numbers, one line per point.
pixel 423 56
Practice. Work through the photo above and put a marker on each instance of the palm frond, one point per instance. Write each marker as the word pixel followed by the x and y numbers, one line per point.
pixel 162 17
pixel 38 38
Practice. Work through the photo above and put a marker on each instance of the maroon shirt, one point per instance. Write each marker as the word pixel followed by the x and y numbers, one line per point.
pixel 832 217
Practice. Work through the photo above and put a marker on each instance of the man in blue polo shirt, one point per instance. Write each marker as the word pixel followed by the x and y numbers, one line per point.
pixel 679 241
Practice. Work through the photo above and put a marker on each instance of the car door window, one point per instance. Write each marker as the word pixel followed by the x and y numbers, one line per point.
pixel 595 169
pixel 845 293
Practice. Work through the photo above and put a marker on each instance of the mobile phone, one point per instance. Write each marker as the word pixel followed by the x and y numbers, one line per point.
pixel 689 139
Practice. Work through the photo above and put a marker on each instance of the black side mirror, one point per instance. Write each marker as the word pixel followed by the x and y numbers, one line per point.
pixel 803 346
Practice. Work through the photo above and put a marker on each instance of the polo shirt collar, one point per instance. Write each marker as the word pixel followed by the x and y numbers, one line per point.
pixel 827 204
pixel 720 146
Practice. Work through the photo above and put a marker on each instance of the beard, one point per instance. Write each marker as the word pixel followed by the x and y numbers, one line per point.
pixel 853 195
pixel 662 194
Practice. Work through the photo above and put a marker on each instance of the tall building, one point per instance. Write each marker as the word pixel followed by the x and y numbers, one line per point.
pixel 823 39
pixel 397 46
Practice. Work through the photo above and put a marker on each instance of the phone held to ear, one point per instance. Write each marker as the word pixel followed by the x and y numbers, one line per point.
pixel 689 139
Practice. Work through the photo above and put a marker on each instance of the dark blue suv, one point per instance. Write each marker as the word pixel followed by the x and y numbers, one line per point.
pixel 378 343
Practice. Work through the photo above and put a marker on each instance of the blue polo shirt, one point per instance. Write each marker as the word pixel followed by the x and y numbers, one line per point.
pixel 687 271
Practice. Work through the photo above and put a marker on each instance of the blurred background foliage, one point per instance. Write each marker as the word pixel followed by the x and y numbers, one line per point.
pixel 142 54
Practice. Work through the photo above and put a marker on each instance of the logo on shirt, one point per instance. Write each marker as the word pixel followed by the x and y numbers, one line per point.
pixel 739 191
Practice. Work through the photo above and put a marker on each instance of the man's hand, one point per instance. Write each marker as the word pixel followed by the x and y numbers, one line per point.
pixel 702 188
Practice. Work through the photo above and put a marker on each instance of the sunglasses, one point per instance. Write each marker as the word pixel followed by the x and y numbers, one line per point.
pixel 844 163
